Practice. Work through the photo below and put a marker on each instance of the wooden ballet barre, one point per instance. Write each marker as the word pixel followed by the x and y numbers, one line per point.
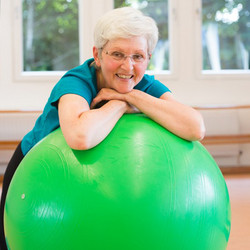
pixel 226 139
pixel 208 140
pixel 20 111
pixel 222 107
pixel 8 145
pixel 12 144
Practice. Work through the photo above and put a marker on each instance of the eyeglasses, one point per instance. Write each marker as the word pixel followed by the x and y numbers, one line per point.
pixel 120 56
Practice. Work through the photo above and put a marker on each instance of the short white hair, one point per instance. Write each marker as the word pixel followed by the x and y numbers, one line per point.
pixel 125 22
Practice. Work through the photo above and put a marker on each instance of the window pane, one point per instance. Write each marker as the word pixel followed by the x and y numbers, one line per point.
pixel 50 35
pixel 158 10
pixel 226 34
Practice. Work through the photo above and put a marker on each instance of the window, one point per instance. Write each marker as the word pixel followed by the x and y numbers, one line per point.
pixel 50 35
pixel 196 41
pixel 226 34
pixel 158 10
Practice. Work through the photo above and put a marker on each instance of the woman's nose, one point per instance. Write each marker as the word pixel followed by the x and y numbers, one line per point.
pixel 127 63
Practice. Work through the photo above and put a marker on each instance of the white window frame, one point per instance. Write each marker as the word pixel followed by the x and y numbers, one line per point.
pixel 172 73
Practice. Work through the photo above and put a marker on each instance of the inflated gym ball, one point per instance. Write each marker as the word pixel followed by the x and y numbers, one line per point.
pixel 141 188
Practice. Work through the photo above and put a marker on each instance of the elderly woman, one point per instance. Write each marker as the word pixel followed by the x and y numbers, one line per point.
pixel 89 100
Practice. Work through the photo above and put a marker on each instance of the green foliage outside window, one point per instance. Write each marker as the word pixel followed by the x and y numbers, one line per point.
pixel 50 35
pixel 231 22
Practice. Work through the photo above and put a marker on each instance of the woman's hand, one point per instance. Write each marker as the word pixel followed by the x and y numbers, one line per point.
pixel 105 95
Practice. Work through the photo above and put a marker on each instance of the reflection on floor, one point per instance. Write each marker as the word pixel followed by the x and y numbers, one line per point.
pixel 239 192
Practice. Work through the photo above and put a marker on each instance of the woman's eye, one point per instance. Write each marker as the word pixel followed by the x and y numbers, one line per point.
pixel 138 57
pixel 117 55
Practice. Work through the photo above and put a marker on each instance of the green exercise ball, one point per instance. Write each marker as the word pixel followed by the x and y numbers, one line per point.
pixel 142 188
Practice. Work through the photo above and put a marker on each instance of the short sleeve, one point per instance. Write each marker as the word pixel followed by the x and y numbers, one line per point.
pixel 77 82
pixel 152 86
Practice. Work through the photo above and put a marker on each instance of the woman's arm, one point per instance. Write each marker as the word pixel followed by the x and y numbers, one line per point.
pixel 178 118
pixel 84 128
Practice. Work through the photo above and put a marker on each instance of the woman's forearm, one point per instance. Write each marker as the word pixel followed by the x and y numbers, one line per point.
pixel 90 127
pixel 178 118
pixel 97 123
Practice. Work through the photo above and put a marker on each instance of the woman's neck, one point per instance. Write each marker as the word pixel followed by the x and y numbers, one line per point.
pixel 100 79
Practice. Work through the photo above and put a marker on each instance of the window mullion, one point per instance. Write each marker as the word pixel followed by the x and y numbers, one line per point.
pixel 89 13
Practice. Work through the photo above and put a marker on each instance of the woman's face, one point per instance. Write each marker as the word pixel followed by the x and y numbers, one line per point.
pixel 123 63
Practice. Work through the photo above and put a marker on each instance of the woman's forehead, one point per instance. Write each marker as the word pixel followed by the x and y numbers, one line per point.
pixel 133 43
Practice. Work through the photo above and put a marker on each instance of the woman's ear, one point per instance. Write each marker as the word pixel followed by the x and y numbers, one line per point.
pixel 96 56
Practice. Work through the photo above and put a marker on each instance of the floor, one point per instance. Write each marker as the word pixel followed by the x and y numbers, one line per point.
pixel 239 192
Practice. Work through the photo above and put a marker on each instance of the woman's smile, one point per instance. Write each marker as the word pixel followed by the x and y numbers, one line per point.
pixel 126 77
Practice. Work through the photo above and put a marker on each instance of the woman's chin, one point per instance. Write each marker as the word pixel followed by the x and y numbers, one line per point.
pixel 123 89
